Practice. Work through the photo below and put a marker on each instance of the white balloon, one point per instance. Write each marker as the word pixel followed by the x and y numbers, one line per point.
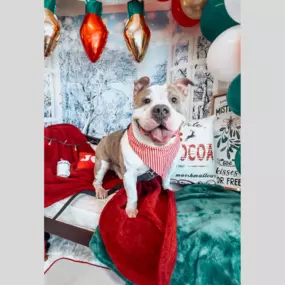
pixel 234 9
pixel 223 59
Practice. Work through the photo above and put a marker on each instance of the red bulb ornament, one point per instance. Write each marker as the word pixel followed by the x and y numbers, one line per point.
pixel 93 31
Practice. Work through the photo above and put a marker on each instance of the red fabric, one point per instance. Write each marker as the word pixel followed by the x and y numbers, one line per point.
pixel 159 159
pixel 144 248
pixel 58 188
pixel 86 160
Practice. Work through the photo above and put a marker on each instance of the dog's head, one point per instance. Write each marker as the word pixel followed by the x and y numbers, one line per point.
pixel 159 111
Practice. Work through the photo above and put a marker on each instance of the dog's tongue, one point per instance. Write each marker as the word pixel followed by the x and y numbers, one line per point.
pixel 161 135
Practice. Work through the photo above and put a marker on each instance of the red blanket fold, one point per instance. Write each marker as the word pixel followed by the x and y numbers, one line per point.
pixel 143 249
pixel 58 188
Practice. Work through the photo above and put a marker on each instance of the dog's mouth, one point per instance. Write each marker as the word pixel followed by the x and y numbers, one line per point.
pixel 159 134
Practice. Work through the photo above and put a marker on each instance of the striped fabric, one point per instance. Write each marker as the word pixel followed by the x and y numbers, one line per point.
pixel 159 159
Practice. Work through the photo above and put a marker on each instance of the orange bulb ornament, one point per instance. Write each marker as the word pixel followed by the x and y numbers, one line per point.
pixel 137 33
pixel 93 31
pixel 51 27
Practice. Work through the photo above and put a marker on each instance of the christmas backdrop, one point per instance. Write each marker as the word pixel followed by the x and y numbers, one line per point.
pixel 97 97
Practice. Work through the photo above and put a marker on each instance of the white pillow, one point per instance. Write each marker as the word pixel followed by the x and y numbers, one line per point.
pixel 197 163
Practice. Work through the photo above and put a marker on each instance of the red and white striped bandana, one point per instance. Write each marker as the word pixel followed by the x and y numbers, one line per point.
pixel 159 159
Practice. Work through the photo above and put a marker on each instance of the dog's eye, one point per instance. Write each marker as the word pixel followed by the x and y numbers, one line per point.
pixel 174 100
pixel 146 100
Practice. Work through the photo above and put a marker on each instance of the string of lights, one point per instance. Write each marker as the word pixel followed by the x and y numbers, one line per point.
pixel 50 140
pixel 63 142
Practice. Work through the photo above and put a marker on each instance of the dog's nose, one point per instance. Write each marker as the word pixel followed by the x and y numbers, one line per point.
pixel 160 112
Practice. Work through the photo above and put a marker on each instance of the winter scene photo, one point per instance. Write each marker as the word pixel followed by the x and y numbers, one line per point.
pixel 98 97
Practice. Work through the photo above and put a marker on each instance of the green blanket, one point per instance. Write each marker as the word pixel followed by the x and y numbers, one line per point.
pixel 208 237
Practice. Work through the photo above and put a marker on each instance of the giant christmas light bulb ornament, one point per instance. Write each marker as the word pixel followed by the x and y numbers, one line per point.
pixel 137 33
pixel 93 31
pixel 51 27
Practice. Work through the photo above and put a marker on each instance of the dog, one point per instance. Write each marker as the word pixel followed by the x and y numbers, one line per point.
pixel 151 141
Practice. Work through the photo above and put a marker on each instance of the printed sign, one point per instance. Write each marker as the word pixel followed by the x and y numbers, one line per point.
pixel 197 163
pixel 227 142
pixel 86 160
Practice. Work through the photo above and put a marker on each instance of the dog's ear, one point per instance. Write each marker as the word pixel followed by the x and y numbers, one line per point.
pixel 141 84
pixel 182 85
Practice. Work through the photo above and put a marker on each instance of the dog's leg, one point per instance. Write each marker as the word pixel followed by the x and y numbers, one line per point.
pixel 166 179
pixel 130 184
pixel 101 168
pixel 117 170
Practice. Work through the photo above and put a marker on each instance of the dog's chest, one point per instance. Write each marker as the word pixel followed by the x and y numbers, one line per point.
pixel 131 160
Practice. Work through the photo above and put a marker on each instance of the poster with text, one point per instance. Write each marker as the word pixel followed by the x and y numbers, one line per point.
pixel 196 164
pixel 226 142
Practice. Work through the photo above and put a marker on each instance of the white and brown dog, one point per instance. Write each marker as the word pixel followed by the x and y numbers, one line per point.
pixel 151 141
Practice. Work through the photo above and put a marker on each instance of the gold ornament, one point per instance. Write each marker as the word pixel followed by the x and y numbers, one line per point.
pixel 137 33
pixel 193 8
pixel 51 32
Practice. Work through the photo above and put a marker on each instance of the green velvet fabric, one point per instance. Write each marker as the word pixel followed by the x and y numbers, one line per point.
pixel 208 235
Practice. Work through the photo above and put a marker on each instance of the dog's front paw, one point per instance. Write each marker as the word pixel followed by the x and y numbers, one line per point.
pixel 131 213
pixel 131 210
pixel 101 193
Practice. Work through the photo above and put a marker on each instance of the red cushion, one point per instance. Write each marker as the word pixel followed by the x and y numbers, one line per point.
pixel 86 160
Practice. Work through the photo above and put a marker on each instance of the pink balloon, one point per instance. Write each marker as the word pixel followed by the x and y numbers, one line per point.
pixel 239 50
pixel 224 55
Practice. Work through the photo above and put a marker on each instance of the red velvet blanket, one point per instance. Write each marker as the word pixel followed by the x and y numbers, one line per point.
pixel 143 249
pixel 58 188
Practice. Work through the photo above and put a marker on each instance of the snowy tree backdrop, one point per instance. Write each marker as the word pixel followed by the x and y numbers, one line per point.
pixel 97 98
